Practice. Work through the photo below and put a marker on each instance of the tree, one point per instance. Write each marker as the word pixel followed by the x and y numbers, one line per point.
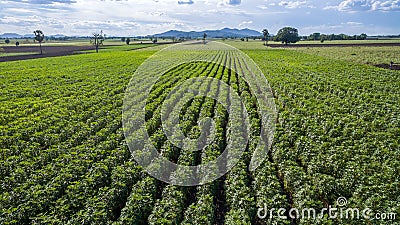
pixel 98 40
pixel 323 37
pixel 288 35
pixel 316 36
pixel 363 36
pixel 155 40
pixel 204 38
pixel 128 40
pixel 266 35
pixel 7 41
pixel 39 37
pixel 123 39
pixel 17 43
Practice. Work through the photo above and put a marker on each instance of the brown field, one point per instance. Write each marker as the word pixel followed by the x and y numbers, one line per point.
pixel 48 51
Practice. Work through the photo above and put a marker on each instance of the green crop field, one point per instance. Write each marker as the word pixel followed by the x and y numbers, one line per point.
pixel 378 41
pixel 361 54
pixel 64 158
pixel 23 42
pixel 121 48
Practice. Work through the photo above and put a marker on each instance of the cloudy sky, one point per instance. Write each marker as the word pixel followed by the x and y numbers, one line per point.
pixel 141 17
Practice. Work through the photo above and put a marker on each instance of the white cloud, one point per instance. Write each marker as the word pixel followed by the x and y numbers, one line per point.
pixel 43 2
pixel 245 23
pixel 386 5
pixel 141 17
pixel 293 4
pixel 366 5
pixel 263 7
pixel 351 23
pixel 20 10
pixel 287 4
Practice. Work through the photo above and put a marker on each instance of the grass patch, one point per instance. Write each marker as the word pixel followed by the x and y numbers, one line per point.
pixel 120 48
pixel 360 54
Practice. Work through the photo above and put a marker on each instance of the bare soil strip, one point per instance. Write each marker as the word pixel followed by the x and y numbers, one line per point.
pixel 48 51
pixel 387 66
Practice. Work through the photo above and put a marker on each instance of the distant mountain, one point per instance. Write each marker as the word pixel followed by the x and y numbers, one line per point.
pixel 10 35
pixel 58 36
pixel 224 33
pixel 29 35
pixel 15 35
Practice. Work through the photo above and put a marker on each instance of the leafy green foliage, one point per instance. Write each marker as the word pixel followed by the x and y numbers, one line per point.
pixel 64 159
pixel 337 131
pixel 287 35
pixel 365 55
pixel 61 145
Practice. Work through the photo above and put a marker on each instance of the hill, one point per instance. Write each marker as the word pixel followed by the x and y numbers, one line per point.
pixel 223 33
pixel 15 35
pixel 11 35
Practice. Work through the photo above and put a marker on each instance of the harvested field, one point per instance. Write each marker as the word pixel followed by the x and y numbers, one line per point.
pixel 48 51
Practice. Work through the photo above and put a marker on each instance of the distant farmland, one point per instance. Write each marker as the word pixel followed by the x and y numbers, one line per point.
pixel 65 160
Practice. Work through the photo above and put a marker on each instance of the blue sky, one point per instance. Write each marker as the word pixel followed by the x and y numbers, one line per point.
pixel 141 17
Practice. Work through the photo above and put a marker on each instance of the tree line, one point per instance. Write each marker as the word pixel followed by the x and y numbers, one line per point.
pixel 331 37
pixel 289 35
